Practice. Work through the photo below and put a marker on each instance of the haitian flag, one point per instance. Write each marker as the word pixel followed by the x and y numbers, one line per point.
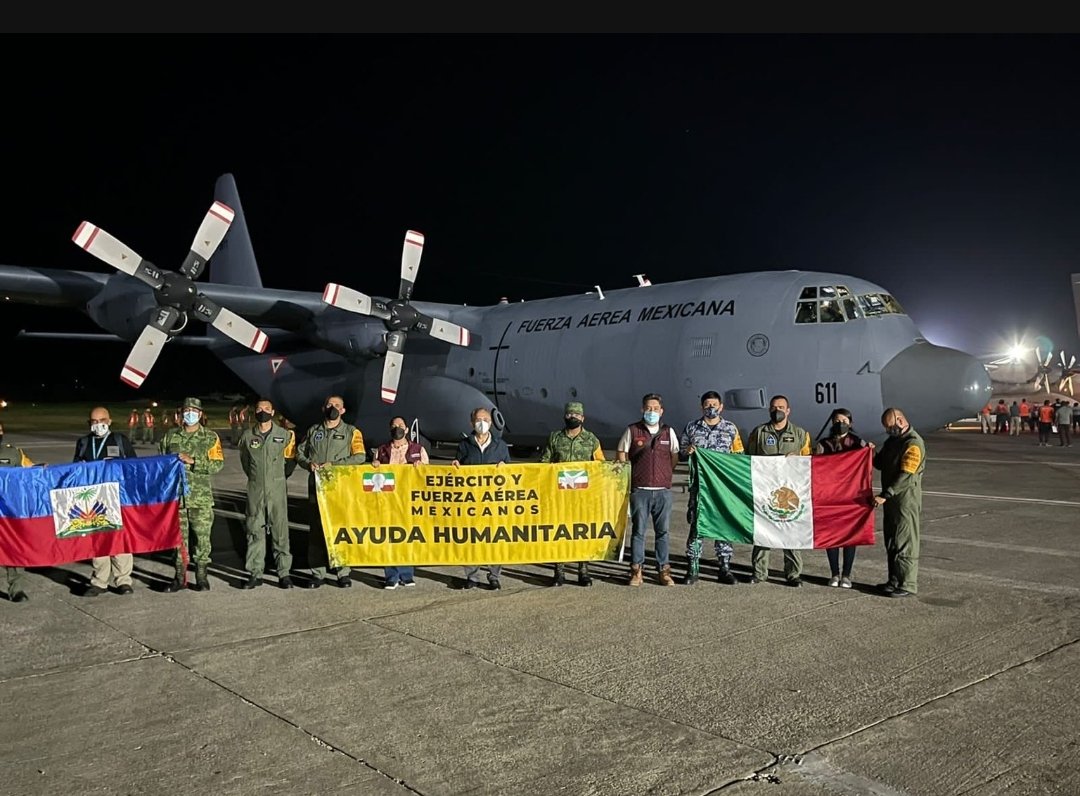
pixel 791 502
pixel 70 512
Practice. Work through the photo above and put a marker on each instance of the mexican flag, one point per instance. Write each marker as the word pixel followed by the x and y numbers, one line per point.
pixel 792 502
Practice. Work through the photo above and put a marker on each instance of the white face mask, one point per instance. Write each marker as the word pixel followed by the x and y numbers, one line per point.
pixel 482 426
pixel 99 429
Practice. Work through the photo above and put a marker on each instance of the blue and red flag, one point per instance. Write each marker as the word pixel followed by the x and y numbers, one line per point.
pixel 70 512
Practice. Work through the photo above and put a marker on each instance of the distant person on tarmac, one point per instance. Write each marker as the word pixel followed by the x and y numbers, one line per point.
pixel 1064 424
pixel 1046 423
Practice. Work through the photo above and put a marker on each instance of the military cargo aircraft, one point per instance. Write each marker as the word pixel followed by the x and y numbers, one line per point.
pixel 822 339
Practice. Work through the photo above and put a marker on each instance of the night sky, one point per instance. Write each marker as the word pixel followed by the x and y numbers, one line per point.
pixel 944 168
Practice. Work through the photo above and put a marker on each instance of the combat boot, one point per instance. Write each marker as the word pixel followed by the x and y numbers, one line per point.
pixel 583 577
pixel 665 576
pixel 202 583
pixel 725 575
pixel 557 579
pixel 693 571
pixel 635 575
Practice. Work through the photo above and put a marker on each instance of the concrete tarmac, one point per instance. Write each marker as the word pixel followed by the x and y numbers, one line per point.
pixel 969 688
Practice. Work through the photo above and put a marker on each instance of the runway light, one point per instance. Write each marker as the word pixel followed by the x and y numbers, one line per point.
pixel 3 404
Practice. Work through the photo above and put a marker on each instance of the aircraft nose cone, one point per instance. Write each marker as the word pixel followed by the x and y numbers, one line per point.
pixel 934 385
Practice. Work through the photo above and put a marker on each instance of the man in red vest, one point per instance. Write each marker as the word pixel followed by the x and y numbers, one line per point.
pixel 652 448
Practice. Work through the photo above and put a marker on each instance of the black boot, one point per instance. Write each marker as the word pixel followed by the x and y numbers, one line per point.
pixel 583 577
pixel 201 581
pixel 725 575
pixel 557 579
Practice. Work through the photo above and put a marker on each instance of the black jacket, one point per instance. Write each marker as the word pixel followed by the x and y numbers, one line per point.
pixel 114 445
pixel 468 452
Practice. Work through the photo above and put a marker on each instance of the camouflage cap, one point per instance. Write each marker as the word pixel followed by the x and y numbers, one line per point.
pixel 194 403
pixel 574 408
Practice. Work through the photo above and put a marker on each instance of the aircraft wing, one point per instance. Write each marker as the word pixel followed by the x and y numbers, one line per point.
pixel 53 287
pixel 49 286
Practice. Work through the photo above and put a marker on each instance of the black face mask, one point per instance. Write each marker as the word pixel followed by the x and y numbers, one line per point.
pixel 263 416
pixel 397 432
pixel 777 416
pixel 331 413
pixel 840 429
pixel 572 422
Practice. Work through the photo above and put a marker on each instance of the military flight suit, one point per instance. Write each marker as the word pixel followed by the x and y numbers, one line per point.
pixel 267 460
pixel 197 509
pixel 10 456
pixel 767 441
pixel 342 444
pixel 902 461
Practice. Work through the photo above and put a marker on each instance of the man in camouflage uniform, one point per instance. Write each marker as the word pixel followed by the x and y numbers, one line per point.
pixel 709 432
pixel 268 457
pixel 574 443
pixel 10 456
pixel 200 450
pixel 333 441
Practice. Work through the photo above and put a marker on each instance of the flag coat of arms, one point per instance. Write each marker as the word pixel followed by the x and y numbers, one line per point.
pixel 792 502
pixel 573 479
pixel 70 512
pixel 379 481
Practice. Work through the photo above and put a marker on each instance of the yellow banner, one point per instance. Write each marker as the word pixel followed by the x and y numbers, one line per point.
pixel 397 515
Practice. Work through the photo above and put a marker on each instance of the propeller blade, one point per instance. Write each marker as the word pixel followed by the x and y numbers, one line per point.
pixel 391 374
pixel 450 332
pixel 147 348
pixel 109 250
pixel 212 230
pixel 410 262
pixel 1072 361
pixel 346 298
pixel 230 324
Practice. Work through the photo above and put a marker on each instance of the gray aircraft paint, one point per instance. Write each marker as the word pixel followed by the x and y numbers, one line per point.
pixel 735 334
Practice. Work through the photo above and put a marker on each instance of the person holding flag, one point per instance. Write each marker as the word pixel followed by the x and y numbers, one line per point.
pixel 10 456
pixel 709 432
pixel 841 439
pixel 573 443
pixel 902 460
pixel 778 437
pixel 104 443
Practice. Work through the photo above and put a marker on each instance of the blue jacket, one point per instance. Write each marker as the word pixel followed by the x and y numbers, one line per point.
pixel 468 452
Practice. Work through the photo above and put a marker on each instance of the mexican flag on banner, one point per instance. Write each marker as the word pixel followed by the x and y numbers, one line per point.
pixel 792 502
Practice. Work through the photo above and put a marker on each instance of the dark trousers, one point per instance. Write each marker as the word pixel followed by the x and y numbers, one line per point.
pixel 834 560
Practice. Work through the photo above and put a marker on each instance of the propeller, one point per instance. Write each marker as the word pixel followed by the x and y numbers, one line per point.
pixel 1067 372
pixel 174 291
pixel 1042 378
pixel 399 315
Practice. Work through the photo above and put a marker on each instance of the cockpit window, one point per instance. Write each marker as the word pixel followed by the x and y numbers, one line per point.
pixel 806 312
pixel 825 304
pixel 830 312
pixel 836 304
pixel 879 304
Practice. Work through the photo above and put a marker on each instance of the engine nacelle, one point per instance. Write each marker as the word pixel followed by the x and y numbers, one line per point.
pixel 123 307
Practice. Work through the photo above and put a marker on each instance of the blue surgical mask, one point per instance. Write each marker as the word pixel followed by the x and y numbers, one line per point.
pixel 650 418
pixel 191 418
